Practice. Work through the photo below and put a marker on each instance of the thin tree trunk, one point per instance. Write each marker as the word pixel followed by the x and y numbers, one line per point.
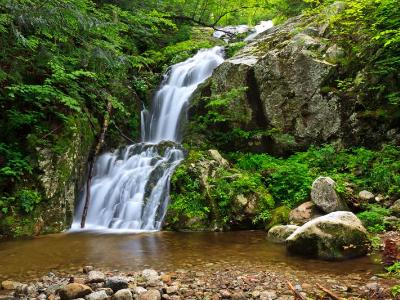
pixel 94 153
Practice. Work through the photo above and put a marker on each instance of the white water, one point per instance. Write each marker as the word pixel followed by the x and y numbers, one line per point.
pixel 263 26
pixel 130 189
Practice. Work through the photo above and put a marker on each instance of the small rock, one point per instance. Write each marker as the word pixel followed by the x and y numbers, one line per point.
pixel 74 290
pixel 225 293
pixel 150 295
pixel 116 283
pixel 139 290
pixel 124 294
pixel 99 295
pixel 96 276
pixel 150 275
pixel 10 285
pixel 108 291
pixel 304 213
pixel 87 269
pixel 166 278
pixel 268 295
pixel 239 296
pixel 172 289
pixel 366 196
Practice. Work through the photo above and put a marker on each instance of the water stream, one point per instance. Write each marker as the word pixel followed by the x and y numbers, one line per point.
pixel 130 189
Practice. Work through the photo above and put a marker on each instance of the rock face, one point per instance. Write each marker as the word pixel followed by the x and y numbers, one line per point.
pixel 324 195
pixel 289 72
pixel 336 236
pixel 200 176
pixel 304 213
pixel 279 233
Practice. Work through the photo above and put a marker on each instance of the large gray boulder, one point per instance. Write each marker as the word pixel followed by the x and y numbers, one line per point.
pixel 336 236
pixel 279 233
pixel 324 195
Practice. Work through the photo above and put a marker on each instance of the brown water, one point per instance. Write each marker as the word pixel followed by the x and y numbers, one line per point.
pixel 164 251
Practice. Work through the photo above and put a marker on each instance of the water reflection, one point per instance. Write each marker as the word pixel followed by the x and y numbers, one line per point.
pixel 160 250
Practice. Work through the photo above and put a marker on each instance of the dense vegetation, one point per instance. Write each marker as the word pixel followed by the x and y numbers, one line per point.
pixel 66 66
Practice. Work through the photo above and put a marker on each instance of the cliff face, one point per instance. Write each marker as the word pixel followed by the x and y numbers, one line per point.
pixel 291 98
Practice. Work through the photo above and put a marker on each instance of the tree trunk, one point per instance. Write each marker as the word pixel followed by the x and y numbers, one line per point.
pixel 93 154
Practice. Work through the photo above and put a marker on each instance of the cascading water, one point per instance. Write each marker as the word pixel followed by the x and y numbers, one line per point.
pixel 130 189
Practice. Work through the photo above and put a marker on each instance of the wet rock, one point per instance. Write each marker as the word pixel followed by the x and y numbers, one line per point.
pixel 116 283
pixel 99 295
pixel 279 233
pixel 96 276
pixel 150 295
pixel 73 291
pixel 304 213
pixel 336 236
pixel 10 285
pixel 324 195
pixel 366 196
pixel 124 294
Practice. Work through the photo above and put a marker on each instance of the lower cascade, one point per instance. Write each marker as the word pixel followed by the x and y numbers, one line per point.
pixel 130 187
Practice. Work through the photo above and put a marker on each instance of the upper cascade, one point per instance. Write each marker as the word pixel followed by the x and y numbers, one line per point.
pixel 130 187
pixel 171 101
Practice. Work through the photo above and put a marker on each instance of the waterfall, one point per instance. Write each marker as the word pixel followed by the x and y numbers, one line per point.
pixel 130 187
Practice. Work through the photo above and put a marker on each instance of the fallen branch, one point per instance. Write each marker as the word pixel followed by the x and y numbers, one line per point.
pixel 296 293
pixel 93 154
pixel 330 293
pixel 123 135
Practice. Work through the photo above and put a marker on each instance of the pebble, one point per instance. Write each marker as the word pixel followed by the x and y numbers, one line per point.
pixel 99 295
pixel 123 294
pixel 74 290
pixel 150 295
pixel 116 283
pixel 96 276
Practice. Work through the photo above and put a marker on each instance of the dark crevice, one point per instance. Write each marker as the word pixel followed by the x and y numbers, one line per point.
pixel 260 120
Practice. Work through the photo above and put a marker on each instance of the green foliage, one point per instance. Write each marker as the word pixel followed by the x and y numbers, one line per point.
pixel 28 199
pixel 394 269
pixel 231 49
pixel 373 218
pixel 395 290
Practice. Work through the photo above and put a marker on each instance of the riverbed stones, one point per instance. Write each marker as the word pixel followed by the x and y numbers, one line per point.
pixel 304 213
pixel 279 233
pixel 150 295
pixel 124 294
pixel 324 195
pixel 10 285
pixel 268 295
pixel 150 275
pixel 116 283
pixel 96 276
pixel 99 295
pixel 336 236
pixel 73 291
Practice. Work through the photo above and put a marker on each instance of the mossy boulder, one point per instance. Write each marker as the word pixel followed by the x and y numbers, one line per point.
pixel 337 236
pixel 279 233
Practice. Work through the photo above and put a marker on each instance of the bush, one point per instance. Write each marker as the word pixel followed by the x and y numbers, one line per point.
pixel 28 199
pixel 373 218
